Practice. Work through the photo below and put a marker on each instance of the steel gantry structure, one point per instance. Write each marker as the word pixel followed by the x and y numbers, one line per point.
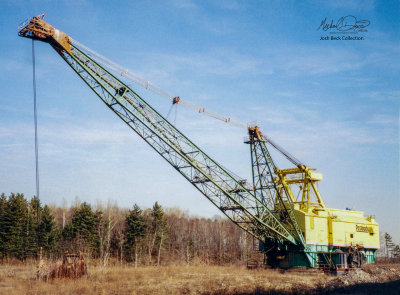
pixel 266 209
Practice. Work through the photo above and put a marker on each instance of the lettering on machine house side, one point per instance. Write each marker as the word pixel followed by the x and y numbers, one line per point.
pixel 362 228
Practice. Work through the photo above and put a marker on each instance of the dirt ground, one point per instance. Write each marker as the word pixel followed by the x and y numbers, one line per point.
pixel 372 279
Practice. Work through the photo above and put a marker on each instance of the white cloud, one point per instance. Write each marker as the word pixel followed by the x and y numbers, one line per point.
pixel 305 131
pixel 229 4
pixel 382 95
pixel 384 119
pixel 300 60
pixel 350 4
pixel 286 94
pixel 220 62
pixel 184 4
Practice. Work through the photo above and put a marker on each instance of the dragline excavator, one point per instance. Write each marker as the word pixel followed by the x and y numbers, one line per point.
pixel 283 208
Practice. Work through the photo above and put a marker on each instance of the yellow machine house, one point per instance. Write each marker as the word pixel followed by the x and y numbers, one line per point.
pixel 345 236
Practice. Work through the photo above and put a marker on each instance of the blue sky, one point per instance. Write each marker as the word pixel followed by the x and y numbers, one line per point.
pixel 333 104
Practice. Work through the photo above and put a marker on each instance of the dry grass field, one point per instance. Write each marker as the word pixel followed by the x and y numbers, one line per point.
pixel 376 279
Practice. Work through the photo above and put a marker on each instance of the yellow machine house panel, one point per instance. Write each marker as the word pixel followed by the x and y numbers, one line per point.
pixel 339 228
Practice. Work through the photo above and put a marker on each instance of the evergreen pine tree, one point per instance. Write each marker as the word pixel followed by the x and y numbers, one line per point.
pixel 134 231
pixel 48 231
pixel 85 225
pixel 4 225
pixel 396 251
pixel 159 227
pixel 18 225
pixel 32 234
pixel 388 244
pixel 159 222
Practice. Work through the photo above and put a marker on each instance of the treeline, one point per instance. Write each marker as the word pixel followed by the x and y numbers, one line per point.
pixel 150 236
pixel 25 226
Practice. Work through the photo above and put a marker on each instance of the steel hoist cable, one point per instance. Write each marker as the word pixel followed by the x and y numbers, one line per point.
pixel 35 118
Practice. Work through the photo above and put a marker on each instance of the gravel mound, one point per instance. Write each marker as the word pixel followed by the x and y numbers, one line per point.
pixel 367 280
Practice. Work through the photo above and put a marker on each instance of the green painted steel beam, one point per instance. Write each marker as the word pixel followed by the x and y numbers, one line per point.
pixel 269 186
pixel 222 189
pixel 265 189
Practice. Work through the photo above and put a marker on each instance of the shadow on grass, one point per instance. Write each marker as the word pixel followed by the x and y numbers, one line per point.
pixel 392 287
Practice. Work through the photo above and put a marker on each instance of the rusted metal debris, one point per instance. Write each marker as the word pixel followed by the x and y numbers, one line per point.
pixel 71 267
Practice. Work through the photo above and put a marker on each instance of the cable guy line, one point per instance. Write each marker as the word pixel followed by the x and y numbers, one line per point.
pixel 35 118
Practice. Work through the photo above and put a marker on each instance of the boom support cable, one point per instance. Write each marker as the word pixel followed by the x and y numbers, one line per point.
pixel 130 75
pixel 35 118
pixel 280 149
